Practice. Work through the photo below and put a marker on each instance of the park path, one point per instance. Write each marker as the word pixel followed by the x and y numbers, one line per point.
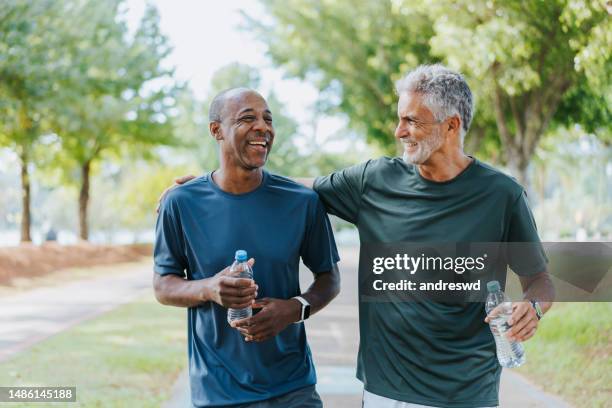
pixel 29 317
pixel 333 335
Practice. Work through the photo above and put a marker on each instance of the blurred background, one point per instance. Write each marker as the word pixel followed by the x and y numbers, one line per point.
pixel 104 103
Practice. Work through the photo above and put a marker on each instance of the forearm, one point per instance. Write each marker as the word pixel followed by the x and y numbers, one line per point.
pixel 540 288
pixel 307 182
pixel 173 290
pixel 323 290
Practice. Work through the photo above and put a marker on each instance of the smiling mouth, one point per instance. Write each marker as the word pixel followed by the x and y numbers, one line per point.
pixel 409 144
pixel 259 143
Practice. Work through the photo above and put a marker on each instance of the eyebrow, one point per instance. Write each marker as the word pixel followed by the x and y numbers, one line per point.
pixel 252 110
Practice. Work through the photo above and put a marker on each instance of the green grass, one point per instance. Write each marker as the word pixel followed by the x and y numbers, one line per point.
pixel 126 358
pixel 571 354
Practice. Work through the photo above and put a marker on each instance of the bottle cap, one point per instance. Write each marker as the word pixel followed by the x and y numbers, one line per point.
pixel 241 255
pixel 493 286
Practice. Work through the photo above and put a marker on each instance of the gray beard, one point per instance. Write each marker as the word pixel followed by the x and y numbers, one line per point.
pixel 426 148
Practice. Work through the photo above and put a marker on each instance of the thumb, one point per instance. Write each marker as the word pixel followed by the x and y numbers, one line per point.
pixel 225 271
pixel 251 262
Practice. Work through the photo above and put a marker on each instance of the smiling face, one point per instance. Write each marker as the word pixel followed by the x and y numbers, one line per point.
pixel 245 132
pixel 418 130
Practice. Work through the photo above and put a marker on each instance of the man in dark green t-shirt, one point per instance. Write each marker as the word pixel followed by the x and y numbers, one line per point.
pixel 433 353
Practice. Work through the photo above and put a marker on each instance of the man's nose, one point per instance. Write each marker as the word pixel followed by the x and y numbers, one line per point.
pixel 261 125
pixel 401 131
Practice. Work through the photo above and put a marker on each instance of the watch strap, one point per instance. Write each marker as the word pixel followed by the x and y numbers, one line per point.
pixel 536 305
pixel 305 305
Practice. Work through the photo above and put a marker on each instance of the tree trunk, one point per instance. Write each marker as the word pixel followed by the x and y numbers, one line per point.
pixel 518 169
pixel 84 201
pixel 26 220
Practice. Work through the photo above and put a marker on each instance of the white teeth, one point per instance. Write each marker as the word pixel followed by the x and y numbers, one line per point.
pixel 258 143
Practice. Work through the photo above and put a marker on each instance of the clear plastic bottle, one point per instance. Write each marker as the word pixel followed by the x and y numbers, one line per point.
pixel 240 269
pixel 509 353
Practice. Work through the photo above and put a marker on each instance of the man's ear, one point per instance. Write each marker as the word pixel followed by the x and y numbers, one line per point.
pixel 454 124
pixel 215 130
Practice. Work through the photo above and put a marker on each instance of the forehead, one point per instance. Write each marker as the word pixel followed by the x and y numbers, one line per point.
pixel 412 104
pixel 243 101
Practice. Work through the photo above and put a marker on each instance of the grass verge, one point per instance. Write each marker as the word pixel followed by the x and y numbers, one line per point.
pixel 571 354
pixel 126 358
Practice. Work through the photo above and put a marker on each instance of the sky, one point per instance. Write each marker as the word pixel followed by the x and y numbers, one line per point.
pixel 206 36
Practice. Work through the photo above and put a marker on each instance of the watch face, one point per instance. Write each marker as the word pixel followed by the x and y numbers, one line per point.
pixel 306 312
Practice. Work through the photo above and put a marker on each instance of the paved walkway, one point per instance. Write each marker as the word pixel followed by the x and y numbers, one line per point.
pixel 334 339
pixel 30 317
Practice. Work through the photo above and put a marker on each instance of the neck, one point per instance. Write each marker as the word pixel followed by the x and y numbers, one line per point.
pixel 236 180
pixel 444 166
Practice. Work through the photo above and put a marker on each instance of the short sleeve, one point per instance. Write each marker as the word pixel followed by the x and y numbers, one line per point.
pixel 318 249
pixel 169 250
pixel 341 191
pixel 526 254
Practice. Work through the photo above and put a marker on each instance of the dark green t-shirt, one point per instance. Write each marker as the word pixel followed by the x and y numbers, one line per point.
pixel 428 353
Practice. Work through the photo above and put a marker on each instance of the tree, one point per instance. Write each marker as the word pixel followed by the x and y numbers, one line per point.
pixel 113 110
pixel 32 67
pixel 528 63
pixel 528 57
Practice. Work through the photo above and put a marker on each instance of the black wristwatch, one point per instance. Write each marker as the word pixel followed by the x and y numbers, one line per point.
pixel 538 309
pixel 305 308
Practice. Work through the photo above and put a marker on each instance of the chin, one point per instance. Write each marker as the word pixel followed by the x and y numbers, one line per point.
pixel 414 158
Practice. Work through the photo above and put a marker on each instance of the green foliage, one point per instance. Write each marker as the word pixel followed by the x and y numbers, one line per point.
pixel 573 338
pixel 352 51
pixel 531 64
pixel 110 108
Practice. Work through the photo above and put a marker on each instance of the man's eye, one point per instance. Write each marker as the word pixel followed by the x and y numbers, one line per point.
pixel 247 118
pixel 269 120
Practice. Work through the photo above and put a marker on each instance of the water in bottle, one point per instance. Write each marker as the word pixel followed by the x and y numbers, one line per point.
pixel 509 353
pixel 240 269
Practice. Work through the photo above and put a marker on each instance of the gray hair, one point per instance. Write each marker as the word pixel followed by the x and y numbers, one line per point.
pixel 445 92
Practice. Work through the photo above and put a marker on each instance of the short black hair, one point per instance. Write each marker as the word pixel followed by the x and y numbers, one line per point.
pixel 218 103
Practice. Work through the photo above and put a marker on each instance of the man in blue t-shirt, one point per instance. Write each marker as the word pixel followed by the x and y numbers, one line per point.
pixel 264 360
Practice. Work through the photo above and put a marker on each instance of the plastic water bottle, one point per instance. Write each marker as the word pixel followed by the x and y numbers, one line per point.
pixel 509 353
pixel 240 269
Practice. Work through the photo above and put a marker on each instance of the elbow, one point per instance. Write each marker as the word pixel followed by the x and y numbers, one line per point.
pixel 159 288
pixel 335 282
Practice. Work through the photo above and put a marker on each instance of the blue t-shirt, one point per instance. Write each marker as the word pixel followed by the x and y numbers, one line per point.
pixel 198 230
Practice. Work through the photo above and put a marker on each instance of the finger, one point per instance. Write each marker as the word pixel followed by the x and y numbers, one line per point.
pixel 526 330
pixel 251 262
pixel 237 305
pixel 261 303
pixel 227 290
pixel 263 336
pixel 518 312
pixel 493 313
pixel 239 323
pixel 236 302
pixel 530 334
pixel 243 331
pixel 184 179
pixel 520 325
pixel 237 282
